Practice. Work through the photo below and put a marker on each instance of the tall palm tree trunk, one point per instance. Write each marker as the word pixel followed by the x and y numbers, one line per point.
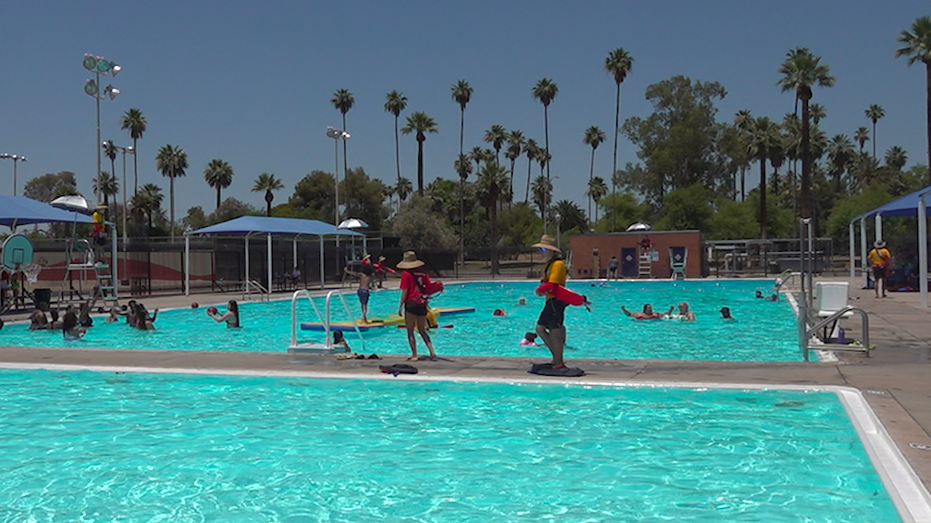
pixel 345 164
pixel 743 183
pixel 546 136
pixel 135 169
pixel 218 196
pixel 527 191
pixel 420 167
pixel 617 121
pixel 591 173
pixel 806 159
pixel 511 201
pixel 874 139
pixel 494 229
pixel 397 156
pixel 461 189
pixel 762 199
pixel 171 224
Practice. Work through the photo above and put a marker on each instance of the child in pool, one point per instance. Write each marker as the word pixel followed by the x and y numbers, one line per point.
pixel 529 340
pixel 70 329
pixel 339 339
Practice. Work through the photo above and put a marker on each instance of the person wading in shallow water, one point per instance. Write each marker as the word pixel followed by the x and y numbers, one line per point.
pixel 550 326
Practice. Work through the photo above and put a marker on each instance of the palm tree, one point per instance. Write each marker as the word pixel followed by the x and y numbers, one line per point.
pixel 801 71
pixel 896 157
pixel 403 189
pixel 874 113
pixel 106 185
pixel 135 123
pixel 109 149
pixel 148 201
pixel 593 136
pixel 542 189
pixel 917 47
pixel 496 136
pixel 171 161
pixel 597 189
pixel 840 152
pixel 817 112
pixel 763 135
pixel 478 155
pixel 420 123
pixel 546 91
pixel 219 175
pixel 491 178
pixel 343 101
pixel 742 121
pixel 462 93
pixel 396 102
pixel 514 150
pixel 862 136
pixel 531 149
pixel 618 64
pixel 463 166
pixel 268 183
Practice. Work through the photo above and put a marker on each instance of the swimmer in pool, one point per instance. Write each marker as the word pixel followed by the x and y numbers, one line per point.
pixel 70 329
pixel 726 313
pixel 522 301
pixel 339 339
pixel 684 313
pixel 529 340
pixel 231 316
pixel 499 312
pixel 647 314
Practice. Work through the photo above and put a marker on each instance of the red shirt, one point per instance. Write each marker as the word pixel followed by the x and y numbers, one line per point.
pixel 414 281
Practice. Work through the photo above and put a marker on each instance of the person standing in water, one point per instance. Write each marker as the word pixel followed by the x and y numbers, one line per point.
pixel 231 316
pixel 414 299
pixel 365 278
pixel 550 325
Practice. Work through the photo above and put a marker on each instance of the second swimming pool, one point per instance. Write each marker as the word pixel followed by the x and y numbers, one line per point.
pixel 762 331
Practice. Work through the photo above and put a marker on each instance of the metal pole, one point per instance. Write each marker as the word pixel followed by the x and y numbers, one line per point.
pixel 853 249
pixel 336 179
pixel 321 262
pixel 97 102
pixel 15 161
pixel 187 265
pixel 114 253
pixel 879 227
pixel 268 247
pixel 124 211
pixel 811 261
pixel 923 250
pixel 294 254
pixel 864 270
pixel 247 265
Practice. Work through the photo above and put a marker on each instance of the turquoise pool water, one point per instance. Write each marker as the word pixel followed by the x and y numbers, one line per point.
pixel 84 446
pixel 763 330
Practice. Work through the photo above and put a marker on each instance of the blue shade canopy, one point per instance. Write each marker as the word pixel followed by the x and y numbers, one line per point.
pixel 19 210
pixel 249 225
pixel 904 206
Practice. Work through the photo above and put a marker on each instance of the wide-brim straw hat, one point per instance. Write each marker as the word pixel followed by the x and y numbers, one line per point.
pixel 547 242
pixel 381 259
pixel 410 261
pixel 879 244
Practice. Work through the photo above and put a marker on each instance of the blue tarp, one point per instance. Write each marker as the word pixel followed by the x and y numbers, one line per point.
pixel 904 206
pixel 19 210
pixel 254 225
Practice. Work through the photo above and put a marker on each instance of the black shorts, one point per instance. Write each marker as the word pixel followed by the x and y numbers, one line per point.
pixel 553 314
pixel 879 273
pixel 415 308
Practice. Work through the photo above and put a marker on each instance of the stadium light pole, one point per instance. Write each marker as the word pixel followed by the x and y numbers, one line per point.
pixel 16 159
pixel 336 135
pixel 99 65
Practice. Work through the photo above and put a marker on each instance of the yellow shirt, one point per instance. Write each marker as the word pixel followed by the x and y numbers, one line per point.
pixel 555 273
pixel 879 257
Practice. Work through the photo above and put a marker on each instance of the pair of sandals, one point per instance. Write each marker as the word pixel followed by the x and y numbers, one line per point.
pixel 355 356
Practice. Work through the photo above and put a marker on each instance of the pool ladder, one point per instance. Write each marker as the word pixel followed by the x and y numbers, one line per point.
pixel 806 333
pixel 327 347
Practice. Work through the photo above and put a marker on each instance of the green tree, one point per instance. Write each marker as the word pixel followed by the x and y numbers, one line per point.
pixel 106 185
pixel 462 93
pixel 545 91
pixel 395 103
pixel 343 101
pixel 801 71
pixel 593 137
pixel 678 141
pixel 147 204
pixel 109 149
pixel 496 136
pixel 623 208
pixel 817 113
pixel 518 226
pixel 916 45
pixel 404 189
pixel 532 150
pixel 733 220
pixel 491 178
pixel 367 200
pixel 840 152
pixel 420 228
pixel 514 150
pixel 738 150
pixel 463 168
pixel 219 175
pixel 763 136
pixel 618 64
pixel 134 122
pixel 850 206
pixel 874 112
pixel 268 183
pixel 171 161
pixel 419 123
pixel 687 208
pixel 195 219
pixel 862 136
pixel 316 192
pixel 542 190
pixel 896 157
pixel 49 186
pixel 597 189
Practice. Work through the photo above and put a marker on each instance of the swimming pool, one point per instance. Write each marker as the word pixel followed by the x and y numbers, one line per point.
pixel 763 330
pixel 138 447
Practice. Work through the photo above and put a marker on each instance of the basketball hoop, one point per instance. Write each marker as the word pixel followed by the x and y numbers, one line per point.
pixel 31 271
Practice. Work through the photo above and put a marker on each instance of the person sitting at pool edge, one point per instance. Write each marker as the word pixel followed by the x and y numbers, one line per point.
pixel 647 314
pixel 726 313
pixel 231 316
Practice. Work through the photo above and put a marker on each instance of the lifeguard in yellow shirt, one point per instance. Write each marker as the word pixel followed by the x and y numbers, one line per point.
pixel 881 260
pixel 550 326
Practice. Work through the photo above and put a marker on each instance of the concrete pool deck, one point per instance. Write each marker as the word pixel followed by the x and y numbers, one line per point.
pixel 894 379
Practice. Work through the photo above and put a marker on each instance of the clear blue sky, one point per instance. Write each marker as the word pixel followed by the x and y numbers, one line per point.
pixel 251 82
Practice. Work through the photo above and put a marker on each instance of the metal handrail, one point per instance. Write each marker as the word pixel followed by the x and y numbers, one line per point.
pixel 865 326
pixel 324 318
pixel 784 278
pixel 248 285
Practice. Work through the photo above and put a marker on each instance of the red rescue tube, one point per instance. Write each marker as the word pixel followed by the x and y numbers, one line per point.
pixel 561 293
